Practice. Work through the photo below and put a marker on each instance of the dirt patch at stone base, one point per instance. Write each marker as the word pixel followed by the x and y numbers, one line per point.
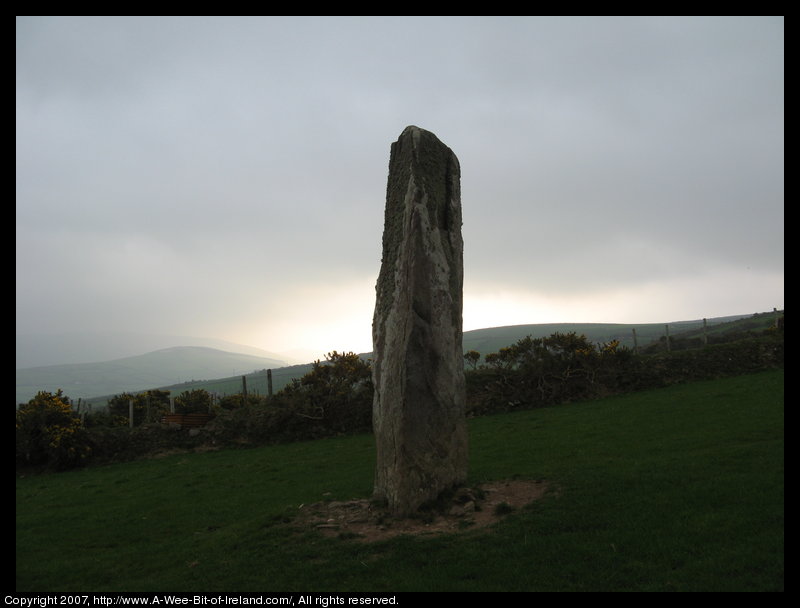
pixel 466 509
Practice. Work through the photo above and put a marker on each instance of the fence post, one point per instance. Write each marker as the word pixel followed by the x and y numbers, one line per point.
pixel 244 389
pixel 130 413
pixel 705 332
pixel 172 405
pixel 269 382
pixel 666 333
pixel 635 342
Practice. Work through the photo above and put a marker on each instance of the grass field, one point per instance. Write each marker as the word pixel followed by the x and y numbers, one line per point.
pixel 678 489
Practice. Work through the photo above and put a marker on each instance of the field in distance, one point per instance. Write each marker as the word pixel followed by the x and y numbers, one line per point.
pixel 181 369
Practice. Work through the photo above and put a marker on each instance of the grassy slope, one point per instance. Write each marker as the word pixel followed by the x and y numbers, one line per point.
pixel 485 341
pixel 673 489
pixel 159 369
pixel 492 339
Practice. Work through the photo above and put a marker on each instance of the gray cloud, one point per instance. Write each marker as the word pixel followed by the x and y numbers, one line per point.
pixel 238 162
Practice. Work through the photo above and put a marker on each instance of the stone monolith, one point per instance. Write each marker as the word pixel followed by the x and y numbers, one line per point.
pixel 418 367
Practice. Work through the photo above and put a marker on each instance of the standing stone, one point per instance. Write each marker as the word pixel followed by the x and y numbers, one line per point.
pixel 418 369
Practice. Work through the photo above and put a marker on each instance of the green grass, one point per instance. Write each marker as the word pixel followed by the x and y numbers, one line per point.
pixel 675 489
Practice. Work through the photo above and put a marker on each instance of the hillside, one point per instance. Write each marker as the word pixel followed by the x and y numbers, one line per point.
pixel 188 368
pixel 491 340
pixel 494 338
pixel 40 350
pixel 159 368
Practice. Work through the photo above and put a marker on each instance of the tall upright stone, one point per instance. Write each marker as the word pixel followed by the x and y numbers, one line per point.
pixel 418 368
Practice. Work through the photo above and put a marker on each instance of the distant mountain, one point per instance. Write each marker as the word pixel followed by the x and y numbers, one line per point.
pixel 217 370
pixel 160 368
pixel 35 350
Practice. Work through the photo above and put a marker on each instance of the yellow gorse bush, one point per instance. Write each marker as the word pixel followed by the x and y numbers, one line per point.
pixel 49 432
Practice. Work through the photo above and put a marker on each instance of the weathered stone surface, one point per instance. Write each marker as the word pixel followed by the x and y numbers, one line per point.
pixel 418 369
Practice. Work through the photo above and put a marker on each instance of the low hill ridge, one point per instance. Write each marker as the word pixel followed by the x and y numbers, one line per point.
pixel 181 368
pixel 162 367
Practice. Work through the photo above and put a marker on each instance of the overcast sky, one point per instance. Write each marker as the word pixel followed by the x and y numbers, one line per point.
pixel 226 177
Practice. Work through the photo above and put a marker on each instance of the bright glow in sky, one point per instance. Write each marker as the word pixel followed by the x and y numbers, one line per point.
pixel 225 177
pixel 672 300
